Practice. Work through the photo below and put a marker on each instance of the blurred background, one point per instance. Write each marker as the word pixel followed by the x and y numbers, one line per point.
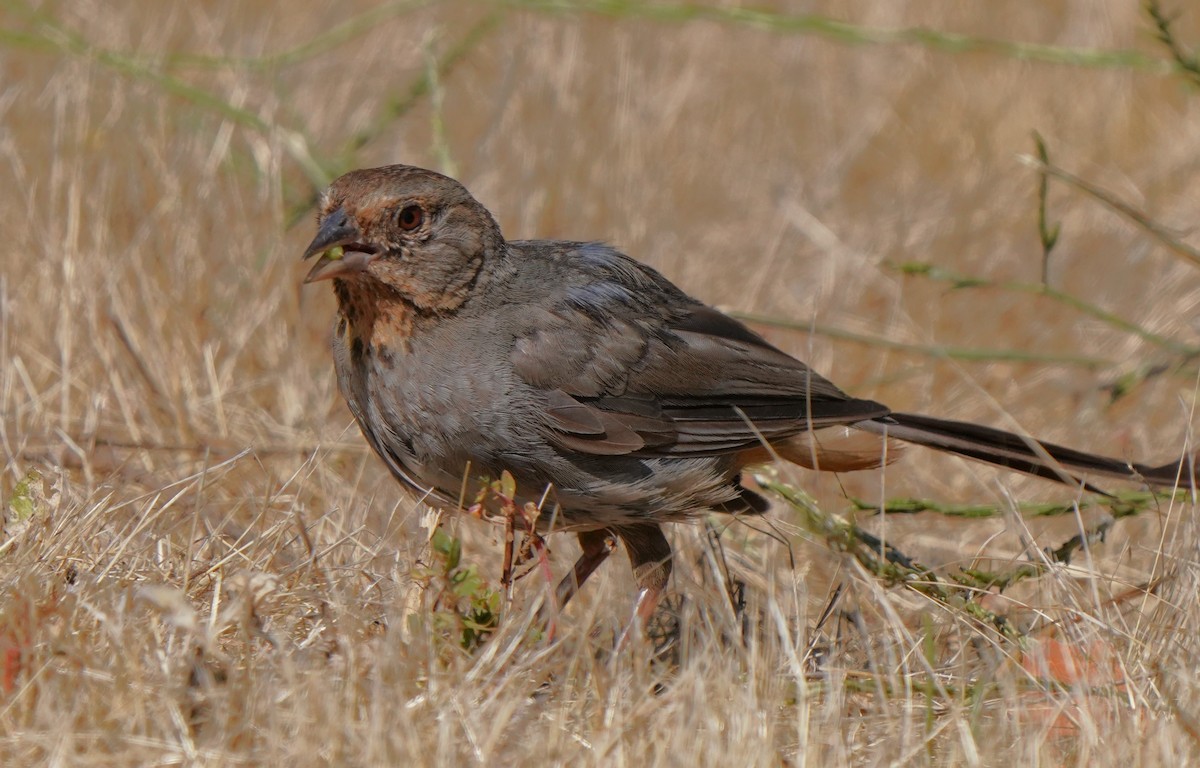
pixel 857 178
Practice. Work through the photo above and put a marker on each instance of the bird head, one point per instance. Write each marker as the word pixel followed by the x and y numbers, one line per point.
pixel 405 231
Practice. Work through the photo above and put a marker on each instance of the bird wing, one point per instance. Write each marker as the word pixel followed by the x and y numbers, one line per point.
pixel 631 365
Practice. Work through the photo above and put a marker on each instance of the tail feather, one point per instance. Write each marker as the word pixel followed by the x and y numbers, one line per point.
pixel 1023 454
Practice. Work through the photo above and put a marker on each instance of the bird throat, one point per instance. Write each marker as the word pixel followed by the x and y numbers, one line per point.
pixel 373 320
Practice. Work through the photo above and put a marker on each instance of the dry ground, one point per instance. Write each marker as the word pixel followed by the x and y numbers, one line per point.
pixel 202 563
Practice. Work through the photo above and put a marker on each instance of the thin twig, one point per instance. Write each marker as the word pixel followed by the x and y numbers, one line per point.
pixel 331 39
pixel 855 34
pixel 885 561
pixel 1048 236
pixel 67 41
pixel 1120 504
pixel 1109 200
pixel 1187 62
pixel 959 281
pixel 971 354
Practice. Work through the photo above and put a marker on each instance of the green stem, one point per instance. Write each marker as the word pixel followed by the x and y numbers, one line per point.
pixel 929 350
pixel 334 37
pixel 934 272
pixel 884 561
pixel 854 34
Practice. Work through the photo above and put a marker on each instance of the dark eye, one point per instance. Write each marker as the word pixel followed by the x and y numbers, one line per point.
pixel 410 217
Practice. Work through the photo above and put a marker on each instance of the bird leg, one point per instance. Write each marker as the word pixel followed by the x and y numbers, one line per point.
pixel 597 546
pixel 650 555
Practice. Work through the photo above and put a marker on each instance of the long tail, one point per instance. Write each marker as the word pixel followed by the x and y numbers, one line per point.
pixel 1010 450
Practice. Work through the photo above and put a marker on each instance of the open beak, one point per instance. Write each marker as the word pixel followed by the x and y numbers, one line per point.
pixel 337 244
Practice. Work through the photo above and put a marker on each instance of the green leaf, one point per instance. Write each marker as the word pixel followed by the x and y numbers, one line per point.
pixel 24 500
pixel 508 486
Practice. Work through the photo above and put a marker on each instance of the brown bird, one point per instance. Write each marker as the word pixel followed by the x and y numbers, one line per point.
pixel 616 401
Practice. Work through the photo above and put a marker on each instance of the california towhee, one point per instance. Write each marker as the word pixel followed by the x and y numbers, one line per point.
pixel 612 397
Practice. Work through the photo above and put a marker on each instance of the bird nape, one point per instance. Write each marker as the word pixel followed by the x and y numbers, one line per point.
pixel 614 399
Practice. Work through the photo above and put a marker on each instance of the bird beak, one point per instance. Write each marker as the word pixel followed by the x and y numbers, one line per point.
pixel 337 231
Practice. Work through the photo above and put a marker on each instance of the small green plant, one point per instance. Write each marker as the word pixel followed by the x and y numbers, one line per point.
pixel 503 493
pixel 465 609
pixel 25 500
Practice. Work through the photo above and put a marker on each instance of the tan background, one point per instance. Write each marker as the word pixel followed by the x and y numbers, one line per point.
pixel 154 208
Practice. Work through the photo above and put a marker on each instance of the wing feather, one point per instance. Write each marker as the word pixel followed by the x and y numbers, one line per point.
pixel 624 371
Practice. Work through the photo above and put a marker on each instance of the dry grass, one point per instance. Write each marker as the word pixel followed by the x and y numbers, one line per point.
pixel 212 569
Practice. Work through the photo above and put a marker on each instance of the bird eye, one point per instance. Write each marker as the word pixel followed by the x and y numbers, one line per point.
pixel 410 217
